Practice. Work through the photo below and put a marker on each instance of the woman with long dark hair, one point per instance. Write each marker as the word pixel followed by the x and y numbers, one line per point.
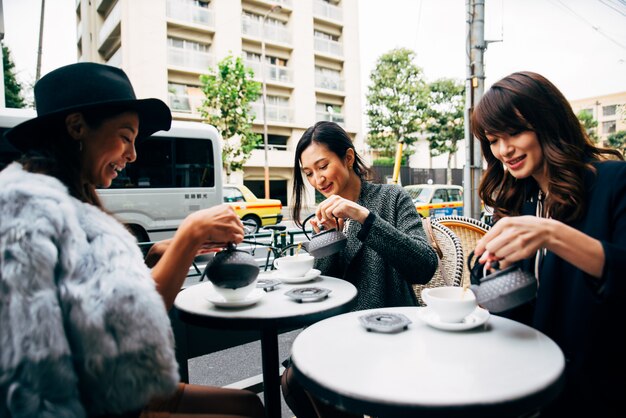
pixel 560 205
pixel 387 250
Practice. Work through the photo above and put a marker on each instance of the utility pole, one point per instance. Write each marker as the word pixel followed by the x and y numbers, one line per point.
pixel 474 88
pixel 40 47
pixel 2 100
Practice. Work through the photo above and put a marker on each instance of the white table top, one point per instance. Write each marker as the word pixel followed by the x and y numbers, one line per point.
pixel 423 367
pixel 274 307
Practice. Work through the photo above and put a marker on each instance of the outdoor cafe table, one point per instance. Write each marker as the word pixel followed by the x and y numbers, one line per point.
pixel 273 312
pixel 502 368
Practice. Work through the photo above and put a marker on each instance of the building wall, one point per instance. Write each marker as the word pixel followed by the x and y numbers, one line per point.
pixel 164 46
pixel 608 110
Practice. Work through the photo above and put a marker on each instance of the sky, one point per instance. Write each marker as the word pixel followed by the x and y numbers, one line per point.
pixel 580 45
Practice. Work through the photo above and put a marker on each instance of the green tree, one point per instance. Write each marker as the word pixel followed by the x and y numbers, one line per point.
pixel 12 88
pixel 445 117
pixel 229 89
pixel 396 101
pixel 589 124
pixel 617 140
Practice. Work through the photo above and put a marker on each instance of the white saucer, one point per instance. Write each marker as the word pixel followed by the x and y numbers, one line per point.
pixel 473 320
pixel 311 275
pixel 219 301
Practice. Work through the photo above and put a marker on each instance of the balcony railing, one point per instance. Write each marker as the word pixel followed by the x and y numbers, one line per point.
pixel 330 117
pixel 179 102
pixel 251 27
pixel 272 71
pixel 328 46
pixel 111 22
pixel 321 8
pixel 328 82
pixel 275 113
pixel 116 59
pixel 189 12
pixel 195 60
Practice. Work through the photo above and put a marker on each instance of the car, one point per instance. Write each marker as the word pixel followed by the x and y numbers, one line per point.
pixel 436 199
pixel 250 208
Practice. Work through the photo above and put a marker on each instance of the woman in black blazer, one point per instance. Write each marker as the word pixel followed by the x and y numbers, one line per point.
pixel 561 205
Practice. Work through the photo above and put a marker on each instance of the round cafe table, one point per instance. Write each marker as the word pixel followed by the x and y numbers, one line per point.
pixel 499 369
pixel 273 312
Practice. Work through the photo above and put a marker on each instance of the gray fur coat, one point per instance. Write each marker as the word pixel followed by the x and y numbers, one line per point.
pixel 394 255
pixel 83 331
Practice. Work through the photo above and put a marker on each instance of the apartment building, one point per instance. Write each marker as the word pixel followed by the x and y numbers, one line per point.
pixel 312 68
pixel 608 110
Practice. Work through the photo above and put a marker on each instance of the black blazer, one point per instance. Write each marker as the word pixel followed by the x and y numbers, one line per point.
pixel 583 315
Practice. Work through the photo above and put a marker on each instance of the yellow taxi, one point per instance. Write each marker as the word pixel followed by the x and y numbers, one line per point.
pixel 437 199
pixel 250 208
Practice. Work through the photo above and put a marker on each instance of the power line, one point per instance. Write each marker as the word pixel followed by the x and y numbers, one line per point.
pixel 608 4
pixel 594 27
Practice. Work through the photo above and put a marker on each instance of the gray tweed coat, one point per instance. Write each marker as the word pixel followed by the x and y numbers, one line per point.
pixel 394 255
pixel 83 331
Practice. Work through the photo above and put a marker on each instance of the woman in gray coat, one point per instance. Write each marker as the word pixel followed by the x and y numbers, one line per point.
pixel 387 250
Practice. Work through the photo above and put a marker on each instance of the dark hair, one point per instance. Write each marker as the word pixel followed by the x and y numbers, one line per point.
pixel 338 141
pixel 526 101
pixel 59 154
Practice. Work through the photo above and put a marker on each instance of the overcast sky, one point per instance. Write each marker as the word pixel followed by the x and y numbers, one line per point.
pixel 580 45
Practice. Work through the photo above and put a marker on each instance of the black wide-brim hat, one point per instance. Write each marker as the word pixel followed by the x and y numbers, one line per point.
pixel 84 86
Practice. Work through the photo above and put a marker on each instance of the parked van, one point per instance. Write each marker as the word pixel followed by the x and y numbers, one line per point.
pixel 176 173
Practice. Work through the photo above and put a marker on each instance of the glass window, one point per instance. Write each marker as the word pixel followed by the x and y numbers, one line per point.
pixel 455 195
pixel 609 110
pixel 440 196
pixel 608 127
pixel 232 194
pixel 164 162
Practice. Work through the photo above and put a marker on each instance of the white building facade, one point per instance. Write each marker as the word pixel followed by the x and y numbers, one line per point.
pixel 312 65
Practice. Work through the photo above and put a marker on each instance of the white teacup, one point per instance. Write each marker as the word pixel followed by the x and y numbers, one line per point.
pixel 294 265
pixel 450 303
pixel 235 295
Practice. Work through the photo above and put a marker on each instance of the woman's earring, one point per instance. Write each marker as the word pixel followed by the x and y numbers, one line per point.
pixel 505 168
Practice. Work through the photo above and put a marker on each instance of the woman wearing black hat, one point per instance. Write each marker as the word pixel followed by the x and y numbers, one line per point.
pixel 84 325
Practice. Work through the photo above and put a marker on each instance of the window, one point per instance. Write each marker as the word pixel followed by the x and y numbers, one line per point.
pixel 187 45
pixel 169 162
pixel 232 194
pixel 609 110
pixel 608 127
pixel 440 196
pixel 455 195
pixel 274 142
pixel 323 35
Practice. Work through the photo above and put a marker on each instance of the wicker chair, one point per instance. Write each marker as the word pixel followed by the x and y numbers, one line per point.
pixel 469 231
pixel 451 259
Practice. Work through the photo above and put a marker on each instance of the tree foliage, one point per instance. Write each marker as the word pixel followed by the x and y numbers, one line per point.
pixel 445 117
pixel 589 124
pixel 618 140
pixel 396 101
pixel 229 89
pixel 12 88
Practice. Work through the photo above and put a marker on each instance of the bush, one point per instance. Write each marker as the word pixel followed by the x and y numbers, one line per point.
pixel 388 161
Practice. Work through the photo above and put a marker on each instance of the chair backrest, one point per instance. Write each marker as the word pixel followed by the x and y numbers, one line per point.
pixel 469 231
pixel 450 269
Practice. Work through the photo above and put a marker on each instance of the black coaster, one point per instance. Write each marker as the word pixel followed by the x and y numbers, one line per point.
pixel 308 294
pixel 385 322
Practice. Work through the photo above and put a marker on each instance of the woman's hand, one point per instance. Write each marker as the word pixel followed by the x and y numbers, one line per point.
pixel 215 227
pixel 512 239
pixel 338 207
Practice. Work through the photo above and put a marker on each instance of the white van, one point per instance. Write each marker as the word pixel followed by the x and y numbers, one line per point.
pixel 176 172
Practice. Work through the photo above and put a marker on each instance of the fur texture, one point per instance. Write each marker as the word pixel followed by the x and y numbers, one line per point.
pixel 83 331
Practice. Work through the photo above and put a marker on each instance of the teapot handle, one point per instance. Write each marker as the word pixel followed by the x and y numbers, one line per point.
pixel 308 218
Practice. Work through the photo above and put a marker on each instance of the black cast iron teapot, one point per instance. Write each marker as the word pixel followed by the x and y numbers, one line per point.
pixel 324 243
pixel 232 268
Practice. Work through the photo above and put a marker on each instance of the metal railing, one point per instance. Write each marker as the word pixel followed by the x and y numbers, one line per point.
pixel 272 71
pixel 189 12
pixel 324 9
pixel 196 60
